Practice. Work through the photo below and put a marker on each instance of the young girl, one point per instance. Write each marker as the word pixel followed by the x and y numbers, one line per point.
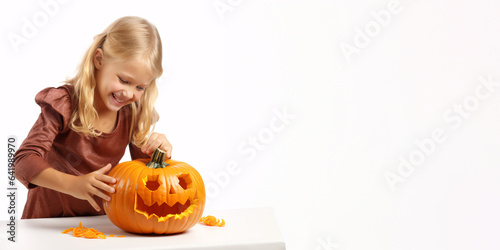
pixel 85 126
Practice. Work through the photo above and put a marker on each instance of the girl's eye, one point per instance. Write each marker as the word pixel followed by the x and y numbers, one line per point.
pixel 140 88
pixel 122 81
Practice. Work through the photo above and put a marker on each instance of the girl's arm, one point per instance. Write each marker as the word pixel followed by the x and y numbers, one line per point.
pixel 82 187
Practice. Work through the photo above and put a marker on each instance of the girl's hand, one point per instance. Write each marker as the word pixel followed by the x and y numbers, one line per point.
pixel 155 141
pixel 95 183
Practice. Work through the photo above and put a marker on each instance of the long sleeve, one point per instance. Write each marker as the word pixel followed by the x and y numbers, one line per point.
pixel 55 111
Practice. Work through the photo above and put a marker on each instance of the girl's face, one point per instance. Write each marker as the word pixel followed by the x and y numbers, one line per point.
pixel 119 83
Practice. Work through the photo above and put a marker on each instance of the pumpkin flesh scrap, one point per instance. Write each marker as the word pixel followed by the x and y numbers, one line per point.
pixel 89 233
pixel 212 221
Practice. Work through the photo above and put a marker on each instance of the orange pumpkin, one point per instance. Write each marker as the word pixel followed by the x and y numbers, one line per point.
pixel 160 197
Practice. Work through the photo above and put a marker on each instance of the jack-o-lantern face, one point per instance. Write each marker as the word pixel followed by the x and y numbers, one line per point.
pixel 159 199
pixel 177 199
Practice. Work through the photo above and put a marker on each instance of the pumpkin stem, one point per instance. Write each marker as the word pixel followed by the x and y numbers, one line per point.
pixel 157 159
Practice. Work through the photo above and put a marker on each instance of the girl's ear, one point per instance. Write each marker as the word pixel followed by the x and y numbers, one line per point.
pixel 98 58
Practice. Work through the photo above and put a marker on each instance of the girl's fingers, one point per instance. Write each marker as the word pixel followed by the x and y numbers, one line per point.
pixel 103 186
pixel 94 184
pixel 93 204
pixel 145 148
pixel 154 145
pixel 100 194
pixel 104 169
pixel 155 141
pixel 105 178
pixel 165 146
pixel 169 152
pixel 150 145
pixel 100 176
pixel 108 179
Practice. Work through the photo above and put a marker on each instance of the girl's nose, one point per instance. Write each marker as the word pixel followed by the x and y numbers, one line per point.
pixel 128 93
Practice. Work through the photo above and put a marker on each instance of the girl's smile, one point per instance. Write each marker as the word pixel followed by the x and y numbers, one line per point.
pixel 117 100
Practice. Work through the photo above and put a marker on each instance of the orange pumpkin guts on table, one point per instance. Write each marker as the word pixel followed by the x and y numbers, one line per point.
pixel 158 196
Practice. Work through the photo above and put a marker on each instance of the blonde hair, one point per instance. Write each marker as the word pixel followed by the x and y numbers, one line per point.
pixel 128 38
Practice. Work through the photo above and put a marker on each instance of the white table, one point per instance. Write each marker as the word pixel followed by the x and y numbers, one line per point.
pixel 245 229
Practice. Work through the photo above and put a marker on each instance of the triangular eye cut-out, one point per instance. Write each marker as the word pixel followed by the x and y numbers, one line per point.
pixel 152 182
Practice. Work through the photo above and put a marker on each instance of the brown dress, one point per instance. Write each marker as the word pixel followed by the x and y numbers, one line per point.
pixel 51 143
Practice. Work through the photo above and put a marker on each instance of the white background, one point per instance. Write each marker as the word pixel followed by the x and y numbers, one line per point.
pixel 356 118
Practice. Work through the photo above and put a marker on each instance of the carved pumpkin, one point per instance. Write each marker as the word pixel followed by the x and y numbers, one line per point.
pixel 161 197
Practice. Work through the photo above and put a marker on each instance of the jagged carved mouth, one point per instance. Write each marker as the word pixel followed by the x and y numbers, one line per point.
pixel 179 203
pixel 164 211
